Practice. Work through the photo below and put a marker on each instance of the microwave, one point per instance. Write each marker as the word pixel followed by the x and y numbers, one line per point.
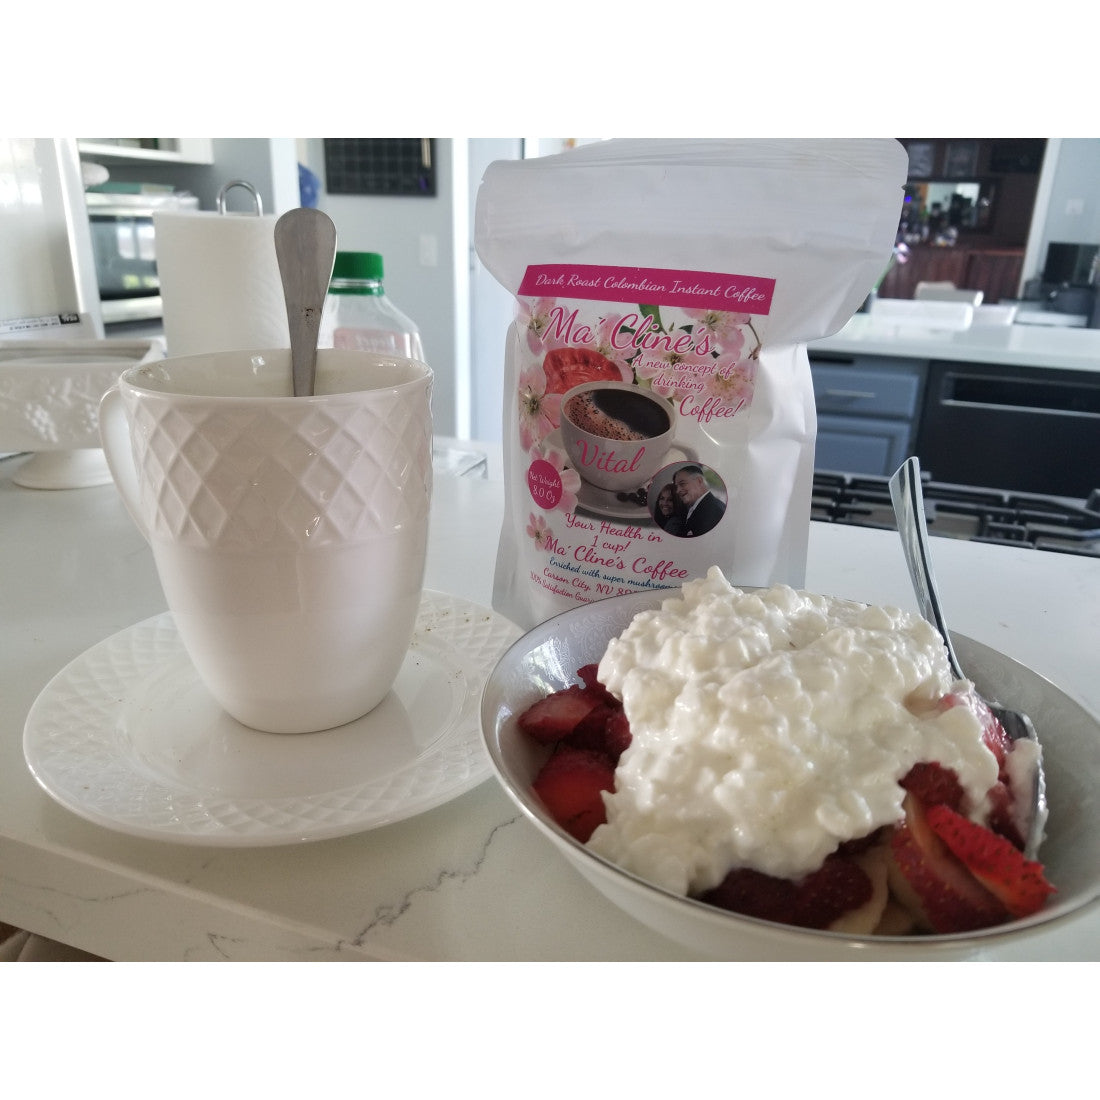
pixel 124 250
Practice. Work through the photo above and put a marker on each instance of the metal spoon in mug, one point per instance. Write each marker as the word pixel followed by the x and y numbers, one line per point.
pixel 908 500
pixel 305 245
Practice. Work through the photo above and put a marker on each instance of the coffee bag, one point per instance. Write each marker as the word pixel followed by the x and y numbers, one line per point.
pixel 658 406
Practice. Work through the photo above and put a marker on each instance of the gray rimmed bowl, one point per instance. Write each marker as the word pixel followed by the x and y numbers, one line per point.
pixel 547 658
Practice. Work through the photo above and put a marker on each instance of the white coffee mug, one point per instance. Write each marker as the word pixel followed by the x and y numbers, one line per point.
pixel 289 533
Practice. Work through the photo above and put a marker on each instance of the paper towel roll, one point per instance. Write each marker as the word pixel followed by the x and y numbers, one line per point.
pixel 220 283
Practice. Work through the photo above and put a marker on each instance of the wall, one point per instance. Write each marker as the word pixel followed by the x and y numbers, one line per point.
pixel 491 306
pixel 1073 204
pixel 426 265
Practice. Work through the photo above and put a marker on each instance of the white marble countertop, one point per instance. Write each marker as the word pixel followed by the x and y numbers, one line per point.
pixel 1013 345
pixel 471 880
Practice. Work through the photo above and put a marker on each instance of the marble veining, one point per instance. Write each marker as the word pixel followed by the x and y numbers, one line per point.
pixel 390 913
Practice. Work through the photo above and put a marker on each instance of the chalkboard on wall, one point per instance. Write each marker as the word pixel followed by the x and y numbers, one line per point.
pixel 380 166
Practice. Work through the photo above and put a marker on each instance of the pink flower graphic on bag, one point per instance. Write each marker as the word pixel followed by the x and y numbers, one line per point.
pixel 538 531
pixel 732 382
pixel 725 333
pixel 614 344
pixel 539 411
pixel 535 318
pixel 723 328
pixel 570 480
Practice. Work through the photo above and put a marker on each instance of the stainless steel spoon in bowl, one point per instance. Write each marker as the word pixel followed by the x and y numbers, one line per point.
pixel 305 246
pixel 908 500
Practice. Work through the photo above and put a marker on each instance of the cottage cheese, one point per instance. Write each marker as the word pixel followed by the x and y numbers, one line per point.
pixel 769 726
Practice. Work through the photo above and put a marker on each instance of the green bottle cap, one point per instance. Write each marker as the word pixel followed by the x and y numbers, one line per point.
pixel 357 265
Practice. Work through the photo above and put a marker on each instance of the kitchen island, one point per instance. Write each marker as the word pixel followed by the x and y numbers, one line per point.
pixel 468 880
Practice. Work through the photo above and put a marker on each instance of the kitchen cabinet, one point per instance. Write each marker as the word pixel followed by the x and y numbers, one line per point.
pixel 203 165
pixel 166 150
pixel 925 264
pixel 995 272
pixel 867 410
pixel 998 273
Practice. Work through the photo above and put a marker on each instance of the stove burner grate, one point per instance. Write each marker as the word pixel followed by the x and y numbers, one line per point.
pixel 1056 524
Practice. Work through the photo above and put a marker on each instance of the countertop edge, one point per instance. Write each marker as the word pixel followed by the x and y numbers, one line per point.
pixel 1072 349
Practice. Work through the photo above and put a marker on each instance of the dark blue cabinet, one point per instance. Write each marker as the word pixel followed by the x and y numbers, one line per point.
pixel 867 410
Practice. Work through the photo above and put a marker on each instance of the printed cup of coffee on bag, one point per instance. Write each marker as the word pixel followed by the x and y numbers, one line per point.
pixel 289 533
pixel 616 434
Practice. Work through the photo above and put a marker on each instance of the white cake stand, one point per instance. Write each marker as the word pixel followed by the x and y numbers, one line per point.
pixel 49 406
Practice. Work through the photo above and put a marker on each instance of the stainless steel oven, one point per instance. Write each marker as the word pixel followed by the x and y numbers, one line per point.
pixel 124 247
pixel 1027 429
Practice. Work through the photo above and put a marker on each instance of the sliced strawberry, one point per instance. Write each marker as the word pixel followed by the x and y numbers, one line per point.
pixel 1001 816
pixel 557 715
pixel 866 918
pixel 860 844
pixel 1002 819
pixel 618 733
pixel 569 785
pixel 755 894
pixel 589 676
pixel 941 894
pixel 993 733
pixel 838 887
pixel 995 862
pixel 589 732
pixel 819 899
pixel 953 699
pixel 605 730
pixel 932 783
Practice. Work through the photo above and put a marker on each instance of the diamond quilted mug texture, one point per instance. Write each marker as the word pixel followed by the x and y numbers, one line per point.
pixel 289 533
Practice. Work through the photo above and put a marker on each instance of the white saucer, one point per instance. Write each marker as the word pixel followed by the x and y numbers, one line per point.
pixel 127 737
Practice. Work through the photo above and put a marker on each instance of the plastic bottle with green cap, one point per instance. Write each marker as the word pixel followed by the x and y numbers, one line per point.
pixel 358 313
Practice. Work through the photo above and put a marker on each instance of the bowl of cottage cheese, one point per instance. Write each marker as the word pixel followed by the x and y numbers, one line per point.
pixel 770 727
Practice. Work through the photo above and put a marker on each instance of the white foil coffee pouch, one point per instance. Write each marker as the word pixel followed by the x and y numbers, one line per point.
pixel 658 406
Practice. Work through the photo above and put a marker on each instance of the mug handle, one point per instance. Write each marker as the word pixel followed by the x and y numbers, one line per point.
pixel 114 433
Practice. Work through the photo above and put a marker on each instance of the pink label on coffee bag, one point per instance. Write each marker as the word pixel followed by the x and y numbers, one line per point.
pixel 653 286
